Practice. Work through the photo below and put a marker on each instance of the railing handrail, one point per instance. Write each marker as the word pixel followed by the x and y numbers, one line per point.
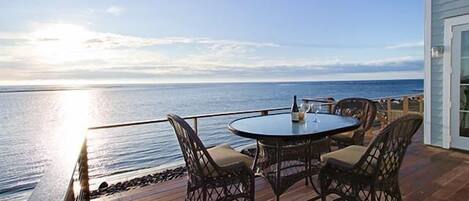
pixel 56 181
pixel 152 121
pixel 187 117
pixel 398 96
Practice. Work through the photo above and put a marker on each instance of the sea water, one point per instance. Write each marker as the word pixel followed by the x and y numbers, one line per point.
pixel 32 118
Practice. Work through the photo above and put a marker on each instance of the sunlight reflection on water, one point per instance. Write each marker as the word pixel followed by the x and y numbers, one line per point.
pixel 69 133
pixel 73 120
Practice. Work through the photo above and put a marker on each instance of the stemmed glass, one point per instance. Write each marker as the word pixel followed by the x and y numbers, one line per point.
pixel 316 108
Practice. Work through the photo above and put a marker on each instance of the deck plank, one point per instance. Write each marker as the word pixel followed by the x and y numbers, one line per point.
pixel 427 173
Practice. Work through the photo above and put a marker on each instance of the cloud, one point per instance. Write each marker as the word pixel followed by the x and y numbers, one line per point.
pixel 109 40
pixel 399 68
pixel 115 10
pixel 65 51
pixel 65 44
pixel 403 67
pixel 406 45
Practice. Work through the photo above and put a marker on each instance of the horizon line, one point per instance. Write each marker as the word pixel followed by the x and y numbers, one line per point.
pixel 76 85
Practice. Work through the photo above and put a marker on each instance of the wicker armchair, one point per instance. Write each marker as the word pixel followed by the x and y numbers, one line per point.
pixel 369 173
pixel 218 173
pixel 361 108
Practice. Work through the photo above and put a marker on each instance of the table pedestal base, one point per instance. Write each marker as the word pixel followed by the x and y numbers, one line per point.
pixel 284 163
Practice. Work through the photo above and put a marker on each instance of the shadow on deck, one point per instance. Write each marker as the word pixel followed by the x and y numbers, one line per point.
pixel 427 173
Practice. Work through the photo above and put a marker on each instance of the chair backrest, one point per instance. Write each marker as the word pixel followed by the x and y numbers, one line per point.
pixel 360 108
pixel 197 159
pixel 384 155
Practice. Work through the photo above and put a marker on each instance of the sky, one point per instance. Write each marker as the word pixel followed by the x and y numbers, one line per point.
pixel 136 41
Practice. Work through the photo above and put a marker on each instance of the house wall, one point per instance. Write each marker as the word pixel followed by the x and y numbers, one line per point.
pixel 440 10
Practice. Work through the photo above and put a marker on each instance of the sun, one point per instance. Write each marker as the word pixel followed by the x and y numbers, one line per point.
pixel 60 43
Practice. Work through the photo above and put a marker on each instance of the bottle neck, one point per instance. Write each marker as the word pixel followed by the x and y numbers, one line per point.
pixel 294 107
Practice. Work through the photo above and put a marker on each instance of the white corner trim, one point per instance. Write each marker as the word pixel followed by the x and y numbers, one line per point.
pixel 427 138
pixel 447 86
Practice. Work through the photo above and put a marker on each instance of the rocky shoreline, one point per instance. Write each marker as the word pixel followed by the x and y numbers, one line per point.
pixel 105 189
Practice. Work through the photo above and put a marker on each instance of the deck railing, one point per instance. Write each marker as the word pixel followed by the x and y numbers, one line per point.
pixel 391 108
pixel 59 181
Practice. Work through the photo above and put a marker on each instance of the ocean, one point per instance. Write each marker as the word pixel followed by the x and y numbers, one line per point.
pixel 32 118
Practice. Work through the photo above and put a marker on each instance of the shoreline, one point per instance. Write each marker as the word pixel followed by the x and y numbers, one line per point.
pixel 149 176
pixel 141 179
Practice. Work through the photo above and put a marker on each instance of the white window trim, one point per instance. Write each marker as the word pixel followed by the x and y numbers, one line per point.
pixel 428 73
pixel 449 24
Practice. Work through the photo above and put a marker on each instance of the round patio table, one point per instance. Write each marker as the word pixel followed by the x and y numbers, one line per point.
pixel 280 139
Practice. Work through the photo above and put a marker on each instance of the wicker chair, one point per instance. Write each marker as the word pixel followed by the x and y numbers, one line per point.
pixel 218 173
pixel 361 108
pixel 369 173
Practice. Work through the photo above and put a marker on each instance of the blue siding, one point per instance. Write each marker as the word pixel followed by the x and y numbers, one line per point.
pixel 441 9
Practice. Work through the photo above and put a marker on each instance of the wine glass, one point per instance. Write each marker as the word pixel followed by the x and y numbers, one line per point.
pixel 316 109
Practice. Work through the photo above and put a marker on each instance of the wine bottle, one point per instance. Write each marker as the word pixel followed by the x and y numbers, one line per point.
pixel 295 116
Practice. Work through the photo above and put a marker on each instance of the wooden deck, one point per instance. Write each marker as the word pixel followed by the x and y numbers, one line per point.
pixel 427 173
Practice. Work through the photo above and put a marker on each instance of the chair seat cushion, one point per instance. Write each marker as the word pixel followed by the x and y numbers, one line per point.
pixel 349 155
pixel 347 136
pixel 224 155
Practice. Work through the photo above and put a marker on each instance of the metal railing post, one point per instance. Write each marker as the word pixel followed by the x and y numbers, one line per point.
pixel 83 173
pixel 420 99
pixel 70 196
pixel 388 109
pixel 196 126
pixel 405 106
pixel 330 102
